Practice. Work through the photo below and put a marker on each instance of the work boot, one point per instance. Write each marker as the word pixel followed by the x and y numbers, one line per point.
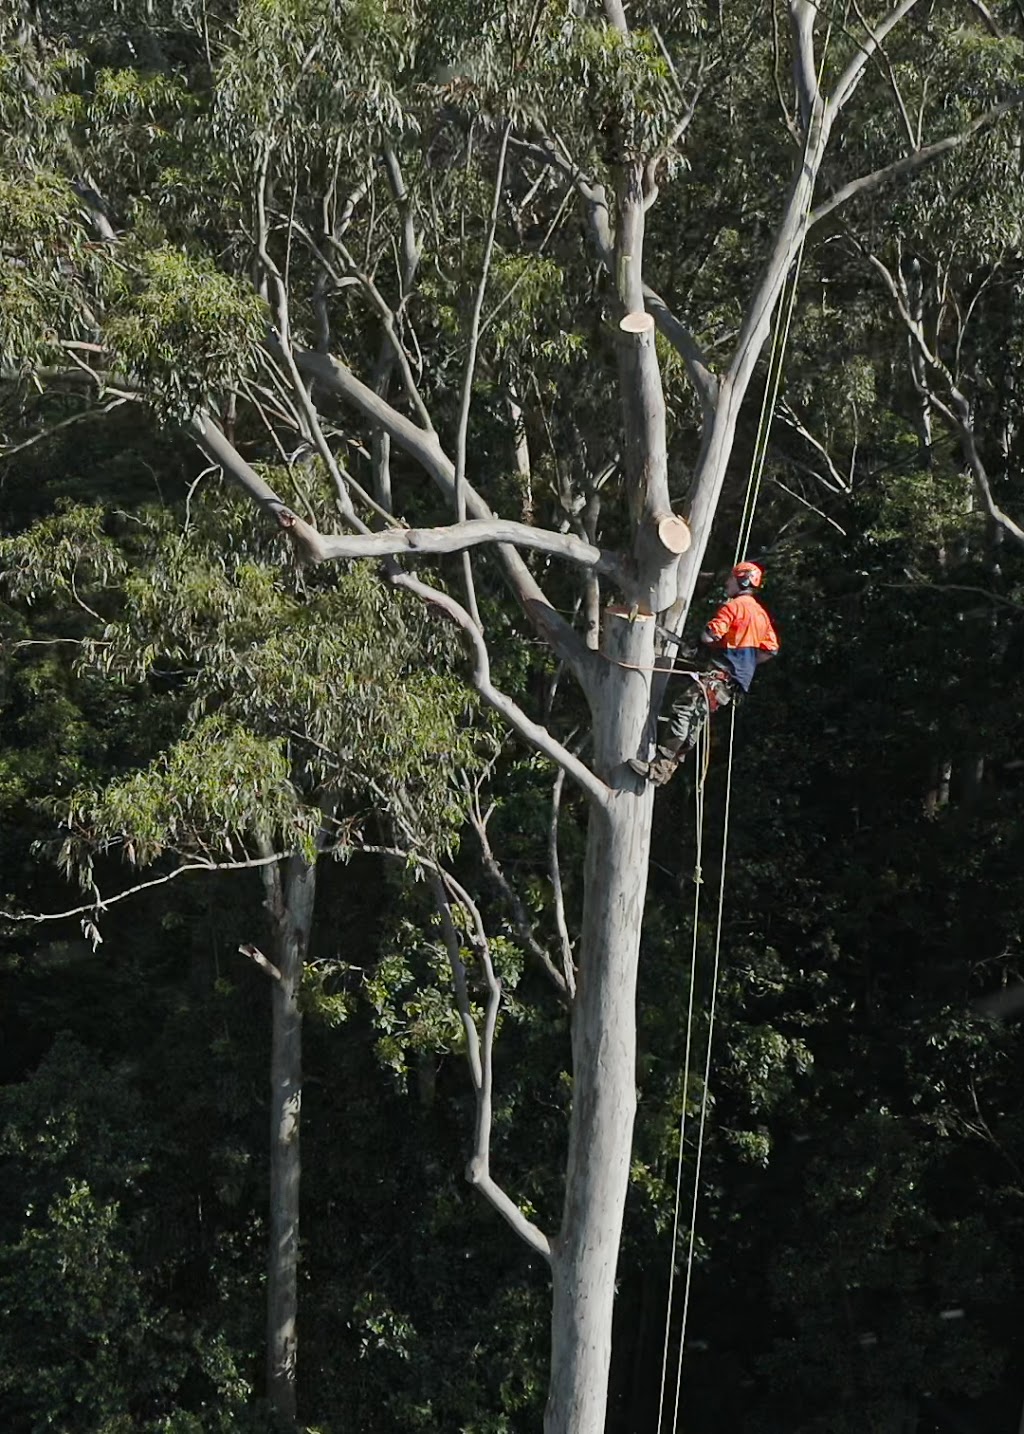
pixel 660 769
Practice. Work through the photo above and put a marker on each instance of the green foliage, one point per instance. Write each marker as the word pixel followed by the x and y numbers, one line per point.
pixel 179 329
pixel 218 785
pixel 46 263
pixel 86 1343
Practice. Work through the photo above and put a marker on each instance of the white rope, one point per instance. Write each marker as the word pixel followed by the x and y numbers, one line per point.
pixel 781 327
pixel 700 754
pixel 773 382
pixel 702 1124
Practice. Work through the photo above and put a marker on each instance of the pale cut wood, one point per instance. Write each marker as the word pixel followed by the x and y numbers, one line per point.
pixel 674 533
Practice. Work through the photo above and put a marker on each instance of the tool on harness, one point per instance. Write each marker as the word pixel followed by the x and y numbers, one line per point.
pixel 708 692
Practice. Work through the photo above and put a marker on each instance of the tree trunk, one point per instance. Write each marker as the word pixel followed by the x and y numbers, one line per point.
pixel 603 1046
pixel 291 894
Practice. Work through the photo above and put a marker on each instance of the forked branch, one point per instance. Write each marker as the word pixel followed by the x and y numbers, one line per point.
pixel 308 542
pixel 854 72
pixel 480 1052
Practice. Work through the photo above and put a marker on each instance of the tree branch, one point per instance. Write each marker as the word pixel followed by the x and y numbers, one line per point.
pixel 531 731
pixel 100 903
pixel 852 75
pixel 478 821
pixel 595 205
pixel 217 448
pixel 802 14
pixel 887 65
pixel 312 543
pixel 555 873
pixel 73 418
pixel 459 537
pixel 957 412
pixel 427 451
pixel 911 162
pixel 255 954
pixel 479 1052
pixel 481 1060
pixel 615 14
pixel 466 397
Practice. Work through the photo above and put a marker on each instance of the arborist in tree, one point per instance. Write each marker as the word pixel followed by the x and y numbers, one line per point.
pixel 738 639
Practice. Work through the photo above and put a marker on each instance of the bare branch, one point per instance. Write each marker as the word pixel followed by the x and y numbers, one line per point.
pixel 531 731
pixel 792 420
pixel 100 903
pixel 479 1051
pixel 524 926
pixel 459 537
pixel 478 1171
pixel 992 597
pixel 615 14
pixel 595 203
pixel 312 545
pixel 912 162
pixel 989 19
pixel 805 504
pixel 224 454
pixel 387 317
pixel 957 411
pixel 852 75
pixel 255 954
pixel 64 423
pixel 802 14
pixel 555 873
pixel 426 449
pixel 466 397
pixel 886 64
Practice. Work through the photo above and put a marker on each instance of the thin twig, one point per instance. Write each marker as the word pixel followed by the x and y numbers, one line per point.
pixel 101 903
pixel 470 370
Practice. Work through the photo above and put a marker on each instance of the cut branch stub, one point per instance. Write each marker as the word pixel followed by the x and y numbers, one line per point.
pixel 674 533
pixel 638 323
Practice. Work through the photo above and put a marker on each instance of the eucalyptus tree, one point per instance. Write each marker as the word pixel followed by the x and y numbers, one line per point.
pixel 390 184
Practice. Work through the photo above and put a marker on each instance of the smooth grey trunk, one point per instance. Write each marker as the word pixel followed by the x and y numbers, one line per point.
pixel 585 1253
pixel 291 892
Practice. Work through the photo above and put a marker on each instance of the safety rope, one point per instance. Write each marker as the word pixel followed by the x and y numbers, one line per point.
pixel 701 751
pixel 702 1123
pixel 769 398
pixel 781 327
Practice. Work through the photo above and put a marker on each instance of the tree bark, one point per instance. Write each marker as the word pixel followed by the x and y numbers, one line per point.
pixel 585 1252
pixel 291 894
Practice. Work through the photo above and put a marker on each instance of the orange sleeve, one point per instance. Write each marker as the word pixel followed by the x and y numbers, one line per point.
pixel 769 638
pixel 720 623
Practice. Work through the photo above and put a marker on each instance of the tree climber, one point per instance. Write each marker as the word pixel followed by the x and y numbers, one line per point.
pixel 740 636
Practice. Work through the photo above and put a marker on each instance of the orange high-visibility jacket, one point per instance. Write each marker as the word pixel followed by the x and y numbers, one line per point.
pixel 739 630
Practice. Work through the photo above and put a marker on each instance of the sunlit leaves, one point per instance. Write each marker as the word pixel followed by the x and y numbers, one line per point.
pixel 208 794
pixel 179 328
pixel 46 263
